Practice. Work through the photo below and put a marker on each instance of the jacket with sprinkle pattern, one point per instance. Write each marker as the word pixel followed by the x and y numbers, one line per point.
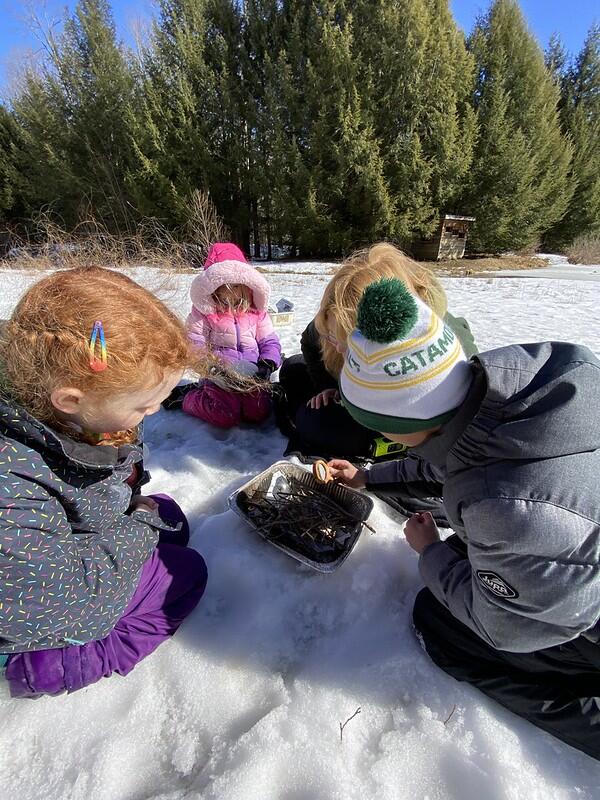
pixel 70 555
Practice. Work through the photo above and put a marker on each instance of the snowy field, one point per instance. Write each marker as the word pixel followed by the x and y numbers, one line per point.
pixel 557 267
pixel 246 702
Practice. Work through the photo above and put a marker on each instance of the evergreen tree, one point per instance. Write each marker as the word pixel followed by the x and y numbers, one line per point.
pixel 288 99
pixel 231 179
pixel 580 111
pixel 393 45
pixel 171 141
pixel 516 102
pixel 584 76
pixel 503 177
pixel 76 117
pixel 556 58
pixel 448 126
pixel 193 131
pixel 11 163
pixel 416 75
pixel 264 71
pixel 48 179
pixel 317 124
pixel 346 201
pixel 97 93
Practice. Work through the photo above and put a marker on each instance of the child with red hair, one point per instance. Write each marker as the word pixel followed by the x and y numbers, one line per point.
pixel 93 576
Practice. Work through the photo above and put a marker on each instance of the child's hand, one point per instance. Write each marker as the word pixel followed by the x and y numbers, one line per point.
pixel 421 531
pixel 323 398
pixel 141 503
pixel 347 473
pixel 265 369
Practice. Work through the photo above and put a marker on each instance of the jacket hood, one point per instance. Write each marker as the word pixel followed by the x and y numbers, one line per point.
pixel 226 263
pixel 527 402
pixel 545 397
pixel 16 423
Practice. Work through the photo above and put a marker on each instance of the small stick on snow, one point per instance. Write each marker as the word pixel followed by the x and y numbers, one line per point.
pixel 345 723
pixel 447 720
pixel 369 527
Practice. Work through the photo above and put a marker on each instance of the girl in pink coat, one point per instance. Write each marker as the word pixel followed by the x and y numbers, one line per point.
pixel 229 317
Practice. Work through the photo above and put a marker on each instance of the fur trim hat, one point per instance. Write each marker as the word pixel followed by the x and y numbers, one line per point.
pixel 405 370
pixel 226 263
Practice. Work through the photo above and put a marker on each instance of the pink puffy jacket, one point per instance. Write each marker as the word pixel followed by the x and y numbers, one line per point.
pixel 245 336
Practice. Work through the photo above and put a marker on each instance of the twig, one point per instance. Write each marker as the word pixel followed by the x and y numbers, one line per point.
pixel 300 513
pixel 345 723
pixel 447 720
pixel 369 527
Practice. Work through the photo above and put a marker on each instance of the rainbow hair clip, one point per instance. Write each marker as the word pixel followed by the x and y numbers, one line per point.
pixel 98 364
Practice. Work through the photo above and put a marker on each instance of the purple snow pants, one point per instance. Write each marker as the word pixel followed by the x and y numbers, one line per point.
pixel 224 408
pixel 172 582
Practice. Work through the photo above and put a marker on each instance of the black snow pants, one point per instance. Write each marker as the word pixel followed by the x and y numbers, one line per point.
pixel 557 689
pixel 328 431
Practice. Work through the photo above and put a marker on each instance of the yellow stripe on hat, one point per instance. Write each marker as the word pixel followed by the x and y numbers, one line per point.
pixel 452 356
pixel 396 348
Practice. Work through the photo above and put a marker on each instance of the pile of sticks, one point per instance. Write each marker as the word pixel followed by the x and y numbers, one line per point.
pixel 299 512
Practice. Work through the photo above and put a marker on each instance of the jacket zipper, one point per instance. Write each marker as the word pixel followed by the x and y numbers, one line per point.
pixel 238 342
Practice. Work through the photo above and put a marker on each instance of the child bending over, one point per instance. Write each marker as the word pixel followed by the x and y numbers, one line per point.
pixel 93 576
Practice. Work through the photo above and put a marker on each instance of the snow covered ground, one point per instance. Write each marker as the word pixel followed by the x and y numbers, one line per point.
pixel 246 702
pixel 557 267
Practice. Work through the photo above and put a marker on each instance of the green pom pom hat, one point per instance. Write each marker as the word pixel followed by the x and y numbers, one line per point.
pixel 405 370
pixel 387 311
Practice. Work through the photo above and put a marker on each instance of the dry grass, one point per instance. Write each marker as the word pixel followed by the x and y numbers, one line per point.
pixel 584 250
pixel 476 266
pixel 455 267
pixel 47 244
pixel 204 225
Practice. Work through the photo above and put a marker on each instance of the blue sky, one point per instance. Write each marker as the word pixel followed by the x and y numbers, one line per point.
pixel 570 19
pixel 16 38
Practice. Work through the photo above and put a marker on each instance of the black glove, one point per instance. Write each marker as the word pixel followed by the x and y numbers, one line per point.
pixel 175 399
pixel 265 368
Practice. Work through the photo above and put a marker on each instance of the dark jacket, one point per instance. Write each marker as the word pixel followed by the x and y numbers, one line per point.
pixel 310 344
pixel 520 465
pixel 70 555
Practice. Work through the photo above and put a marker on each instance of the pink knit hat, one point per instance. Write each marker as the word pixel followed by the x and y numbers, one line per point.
pixel 226 263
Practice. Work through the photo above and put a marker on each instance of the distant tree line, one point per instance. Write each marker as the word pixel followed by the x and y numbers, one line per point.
pixel 313 125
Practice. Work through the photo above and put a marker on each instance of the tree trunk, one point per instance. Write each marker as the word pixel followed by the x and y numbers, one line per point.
pixel 255 229
pixel 268 223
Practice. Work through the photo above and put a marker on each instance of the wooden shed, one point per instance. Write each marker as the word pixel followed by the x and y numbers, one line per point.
pixel 449 240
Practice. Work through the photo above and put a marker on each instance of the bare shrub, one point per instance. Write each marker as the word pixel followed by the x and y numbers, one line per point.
pixel 204 225
pixel 45 243
pixel 530 249
pixel 584 250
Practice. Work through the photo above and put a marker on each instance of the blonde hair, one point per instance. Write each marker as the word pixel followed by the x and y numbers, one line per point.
pixel 45 344
pixel 344 291
pixel 233 297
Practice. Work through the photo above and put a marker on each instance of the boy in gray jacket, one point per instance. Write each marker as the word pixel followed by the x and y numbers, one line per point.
pixel 512 603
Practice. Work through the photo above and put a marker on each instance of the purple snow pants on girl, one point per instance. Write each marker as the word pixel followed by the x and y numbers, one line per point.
pixel 224 408
pixel 172 582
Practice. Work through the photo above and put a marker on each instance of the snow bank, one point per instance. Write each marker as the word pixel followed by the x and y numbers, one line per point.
pixel 246 702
